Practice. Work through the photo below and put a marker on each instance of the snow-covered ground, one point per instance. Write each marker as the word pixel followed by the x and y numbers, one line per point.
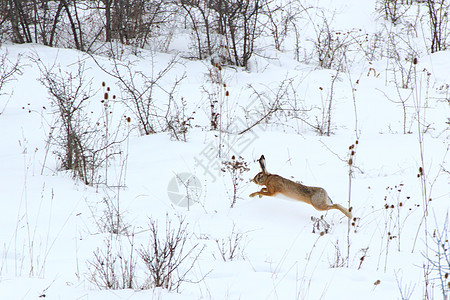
pixel 52 227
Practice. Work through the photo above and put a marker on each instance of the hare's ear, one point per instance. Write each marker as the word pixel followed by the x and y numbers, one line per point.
pixel 262 163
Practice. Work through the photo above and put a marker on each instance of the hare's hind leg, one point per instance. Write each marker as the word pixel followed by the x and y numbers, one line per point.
pixel 345 211
pixel 320 200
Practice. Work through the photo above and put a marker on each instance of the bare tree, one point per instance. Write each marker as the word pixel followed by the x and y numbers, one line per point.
pixel 238 21
pixel 234 24
pixel 133 22
pixel 19 20
pixel 40 21
pixel 438 14
pixel 394 10
pixel 201 17
pixel 75 23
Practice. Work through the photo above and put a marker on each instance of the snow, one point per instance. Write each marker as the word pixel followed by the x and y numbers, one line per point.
pixel 49 222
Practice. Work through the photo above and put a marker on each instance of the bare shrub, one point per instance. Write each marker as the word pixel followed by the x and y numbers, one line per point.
pixel 396 210
pixel 232 247
pixel 216 91
pixel 168 258
pixel 351 171
pixel 323 123
pixel 426 185
pixel 402 100
pixel 69 94
pixel 8 72
pixel 439 257
pixel 320 225
pixel 177 119
pixel 331 46
pixel 236 167
pixel 113 267
pixel 371 47
pixel 139 91
pixel 281 19
pixel 405 291
pixel 276 106
pixel 339 261
pixel 110 219
pixel 83 145
pixel 403 58
pixel 363 256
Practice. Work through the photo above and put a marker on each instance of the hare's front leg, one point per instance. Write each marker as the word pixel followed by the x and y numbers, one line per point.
pixel 262 192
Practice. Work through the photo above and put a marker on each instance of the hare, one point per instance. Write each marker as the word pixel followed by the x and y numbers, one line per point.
pixel 275 184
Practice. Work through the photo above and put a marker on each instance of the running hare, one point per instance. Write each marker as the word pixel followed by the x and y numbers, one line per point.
pixel 316 196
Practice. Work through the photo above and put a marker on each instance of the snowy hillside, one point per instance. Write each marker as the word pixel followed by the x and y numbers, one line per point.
pixel 125 173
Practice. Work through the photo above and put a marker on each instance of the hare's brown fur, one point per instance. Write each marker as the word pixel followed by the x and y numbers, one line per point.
pixel 275 184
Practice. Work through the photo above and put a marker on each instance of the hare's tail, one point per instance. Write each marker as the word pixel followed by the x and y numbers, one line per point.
pixel 343 210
